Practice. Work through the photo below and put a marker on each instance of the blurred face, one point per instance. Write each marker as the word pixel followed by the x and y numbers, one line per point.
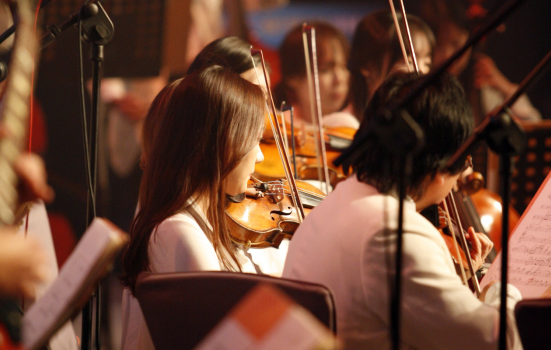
pixel 449 39
pixel 333 80
pixel 236 181
pixel 423 53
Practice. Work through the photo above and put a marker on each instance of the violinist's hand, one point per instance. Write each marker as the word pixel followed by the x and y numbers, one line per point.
pixel 22 264
pixel 486 73
pixel 481 247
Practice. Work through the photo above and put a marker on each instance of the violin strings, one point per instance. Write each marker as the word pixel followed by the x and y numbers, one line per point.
pixel 463 241
pixel 456 246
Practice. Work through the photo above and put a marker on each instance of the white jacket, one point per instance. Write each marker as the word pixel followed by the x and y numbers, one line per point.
pixel 343 244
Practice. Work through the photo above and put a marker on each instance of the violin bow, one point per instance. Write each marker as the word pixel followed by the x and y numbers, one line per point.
pixel 455 245
pixel 315 99
pixel 408 36
pixel 396 289
pixel 462 240
pixel 449 197
pixel 399 34
pixel 285 108
pixel 278 136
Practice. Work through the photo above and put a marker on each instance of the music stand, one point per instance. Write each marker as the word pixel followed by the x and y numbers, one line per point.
pixel 533 165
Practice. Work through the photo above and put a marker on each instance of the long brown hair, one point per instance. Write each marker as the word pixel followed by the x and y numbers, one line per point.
pixel 212 118
pixel 375 39
pixel 151 122
pixel 230 52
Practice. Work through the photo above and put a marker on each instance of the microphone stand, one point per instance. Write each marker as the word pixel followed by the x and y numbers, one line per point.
pixel 85 13
pixel 505 137
pixel 98 30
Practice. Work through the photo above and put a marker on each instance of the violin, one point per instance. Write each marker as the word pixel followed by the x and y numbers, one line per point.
pixel 467 211
pixel 481 209
pixel 459 257
pixel 453 233
pixel 276 208
pixel 266 218
pixel 305 165
pixel 301 145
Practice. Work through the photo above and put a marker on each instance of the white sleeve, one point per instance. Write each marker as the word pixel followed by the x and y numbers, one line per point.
pixel 341 119
pixel 179 244
pixel 438 312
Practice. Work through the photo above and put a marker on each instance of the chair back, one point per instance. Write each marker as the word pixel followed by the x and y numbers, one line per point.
pixel 181 308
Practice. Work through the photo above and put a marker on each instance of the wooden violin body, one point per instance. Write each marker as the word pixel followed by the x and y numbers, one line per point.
pixel 307 164
pixel 264 221
pixel 446 230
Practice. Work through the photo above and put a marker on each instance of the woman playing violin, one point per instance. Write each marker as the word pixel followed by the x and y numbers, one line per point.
pixel 376 54
pixel 205 149
pixel 333 50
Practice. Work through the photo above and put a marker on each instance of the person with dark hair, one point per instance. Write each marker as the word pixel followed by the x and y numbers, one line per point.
pixel 205 148
pixel 356 227
pixel 333 50
pixel 153 120
pixel 376 53
pixel 231 52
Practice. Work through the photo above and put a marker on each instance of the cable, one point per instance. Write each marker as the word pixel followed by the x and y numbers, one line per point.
pixel 91 192
pixel 91 200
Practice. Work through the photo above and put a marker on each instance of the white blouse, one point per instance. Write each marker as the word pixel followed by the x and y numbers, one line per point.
pixel 178 244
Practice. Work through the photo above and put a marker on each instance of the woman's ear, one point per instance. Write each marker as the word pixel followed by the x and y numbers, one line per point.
pixel 439 178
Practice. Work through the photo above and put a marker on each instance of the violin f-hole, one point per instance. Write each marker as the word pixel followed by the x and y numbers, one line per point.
pixel 280 212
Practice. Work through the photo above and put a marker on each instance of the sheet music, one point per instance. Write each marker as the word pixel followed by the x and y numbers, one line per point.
pixel 39 229
pixel 57 304
pixel 529 248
